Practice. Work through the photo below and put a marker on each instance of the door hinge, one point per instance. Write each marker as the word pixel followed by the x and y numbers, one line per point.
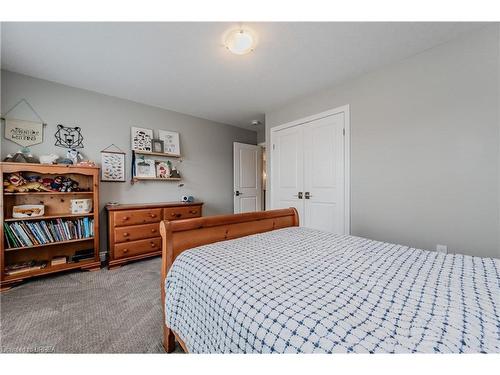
pixel 274 146
pixel 343 132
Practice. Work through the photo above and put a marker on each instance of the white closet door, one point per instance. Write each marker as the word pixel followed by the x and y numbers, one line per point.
pixel 288 170
pixel 324 174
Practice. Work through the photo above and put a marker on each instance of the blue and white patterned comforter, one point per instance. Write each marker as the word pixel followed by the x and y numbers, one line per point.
pixel 300 290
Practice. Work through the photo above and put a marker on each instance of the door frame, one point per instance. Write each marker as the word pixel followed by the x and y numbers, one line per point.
pixel 347 156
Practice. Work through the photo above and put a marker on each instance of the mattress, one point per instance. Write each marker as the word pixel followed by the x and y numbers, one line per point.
pixel 299 290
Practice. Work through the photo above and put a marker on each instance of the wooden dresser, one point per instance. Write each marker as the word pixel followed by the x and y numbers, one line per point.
pixel 134 229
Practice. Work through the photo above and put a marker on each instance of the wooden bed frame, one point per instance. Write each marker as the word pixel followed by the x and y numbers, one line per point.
pixel 181 235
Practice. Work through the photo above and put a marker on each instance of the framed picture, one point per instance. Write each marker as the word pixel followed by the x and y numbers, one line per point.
pixel 162 169
pixel 158 145
pixel 145 167
pixel 112 166
pixel 171 144
pixel 141 139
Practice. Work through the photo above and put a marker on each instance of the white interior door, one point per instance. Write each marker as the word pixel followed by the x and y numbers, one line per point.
pixel 288 170
pixel 247 160
pixel 324 174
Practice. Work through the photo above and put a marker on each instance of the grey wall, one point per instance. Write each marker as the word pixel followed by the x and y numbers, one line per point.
pixel 207 147
pixel 424 146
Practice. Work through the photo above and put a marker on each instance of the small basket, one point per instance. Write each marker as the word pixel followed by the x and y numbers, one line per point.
pixel 81 206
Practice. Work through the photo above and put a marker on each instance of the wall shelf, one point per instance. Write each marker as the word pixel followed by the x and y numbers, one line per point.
pixel 155 179
pixel 164 154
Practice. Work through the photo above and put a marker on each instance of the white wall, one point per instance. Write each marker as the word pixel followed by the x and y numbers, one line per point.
pixel 207 147
pixel 424 146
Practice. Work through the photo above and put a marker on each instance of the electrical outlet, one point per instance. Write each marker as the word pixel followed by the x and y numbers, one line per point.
pixel 443 249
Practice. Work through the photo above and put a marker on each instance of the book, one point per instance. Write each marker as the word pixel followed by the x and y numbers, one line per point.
pixel 58 260
pixel 11 239
pixel 31 265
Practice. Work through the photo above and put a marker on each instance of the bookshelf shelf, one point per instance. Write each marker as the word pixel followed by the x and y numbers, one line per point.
pixel 57 211
pixel 83 264
pixel 50 244
pixel 49 217
pixel 51 193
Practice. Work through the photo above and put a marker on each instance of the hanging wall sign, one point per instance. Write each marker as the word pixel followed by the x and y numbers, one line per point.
pixel 24 133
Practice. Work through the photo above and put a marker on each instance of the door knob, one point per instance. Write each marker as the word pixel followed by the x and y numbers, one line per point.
pixel 298 195
pixel 308 195
pixel 237 193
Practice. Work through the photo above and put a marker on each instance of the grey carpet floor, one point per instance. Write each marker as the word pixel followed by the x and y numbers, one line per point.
pixel 116 311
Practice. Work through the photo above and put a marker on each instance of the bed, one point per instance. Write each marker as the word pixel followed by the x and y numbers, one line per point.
pixel 258 283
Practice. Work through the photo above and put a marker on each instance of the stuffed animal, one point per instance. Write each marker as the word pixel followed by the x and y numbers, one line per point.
pixel 47 182
pixel 15 182
pixel 67 184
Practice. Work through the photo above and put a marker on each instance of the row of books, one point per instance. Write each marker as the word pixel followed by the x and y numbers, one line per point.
pixel 27 234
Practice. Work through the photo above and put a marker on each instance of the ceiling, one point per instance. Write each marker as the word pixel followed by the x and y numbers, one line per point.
pixel 184 67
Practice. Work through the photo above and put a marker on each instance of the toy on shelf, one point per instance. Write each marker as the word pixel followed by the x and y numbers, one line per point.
pixel 16 183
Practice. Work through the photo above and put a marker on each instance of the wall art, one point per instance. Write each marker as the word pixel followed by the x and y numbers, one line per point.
pixel 171 143
pixel 69 137
pixel 112 165
pixel 141 139
pixel 145 167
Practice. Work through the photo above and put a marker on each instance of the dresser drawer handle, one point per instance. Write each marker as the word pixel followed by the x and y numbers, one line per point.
pixel 125 251
pixel 125 218
pixel 153 244
pixel 153 230
pixel 153 215
pixel 125 234
pixel 193 212
pixel 176 215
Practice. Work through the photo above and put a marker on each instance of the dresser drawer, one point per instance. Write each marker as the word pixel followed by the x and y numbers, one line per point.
pixel 176 213
pixel 137 217
pixel 137 232
pixel 129 249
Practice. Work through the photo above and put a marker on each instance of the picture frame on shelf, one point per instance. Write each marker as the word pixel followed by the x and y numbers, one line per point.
pixel 158 146
pixel 171 142
pixel 162 169
pixel 145 167
pixel 112 166
pixel 141 139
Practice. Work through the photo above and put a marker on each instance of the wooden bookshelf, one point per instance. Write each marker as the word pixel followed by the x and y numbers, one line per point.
pixel 57 206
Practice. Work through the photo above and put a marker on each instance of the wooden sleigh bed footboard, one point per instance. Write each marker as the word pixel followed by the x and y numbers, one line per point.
pixel 181 235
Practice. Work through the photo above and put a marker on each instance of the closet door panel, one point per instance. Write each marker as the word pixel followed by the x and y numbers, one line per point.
pixel 288 170
pixel 324 174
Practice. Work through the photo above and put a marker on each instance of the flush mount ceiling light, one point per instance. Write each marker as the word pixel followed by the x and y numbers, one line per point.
pixel 240 41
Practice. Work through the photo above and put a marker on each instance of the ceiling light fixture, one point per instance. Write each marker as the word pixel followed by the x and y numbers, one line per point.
pixel 240 41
